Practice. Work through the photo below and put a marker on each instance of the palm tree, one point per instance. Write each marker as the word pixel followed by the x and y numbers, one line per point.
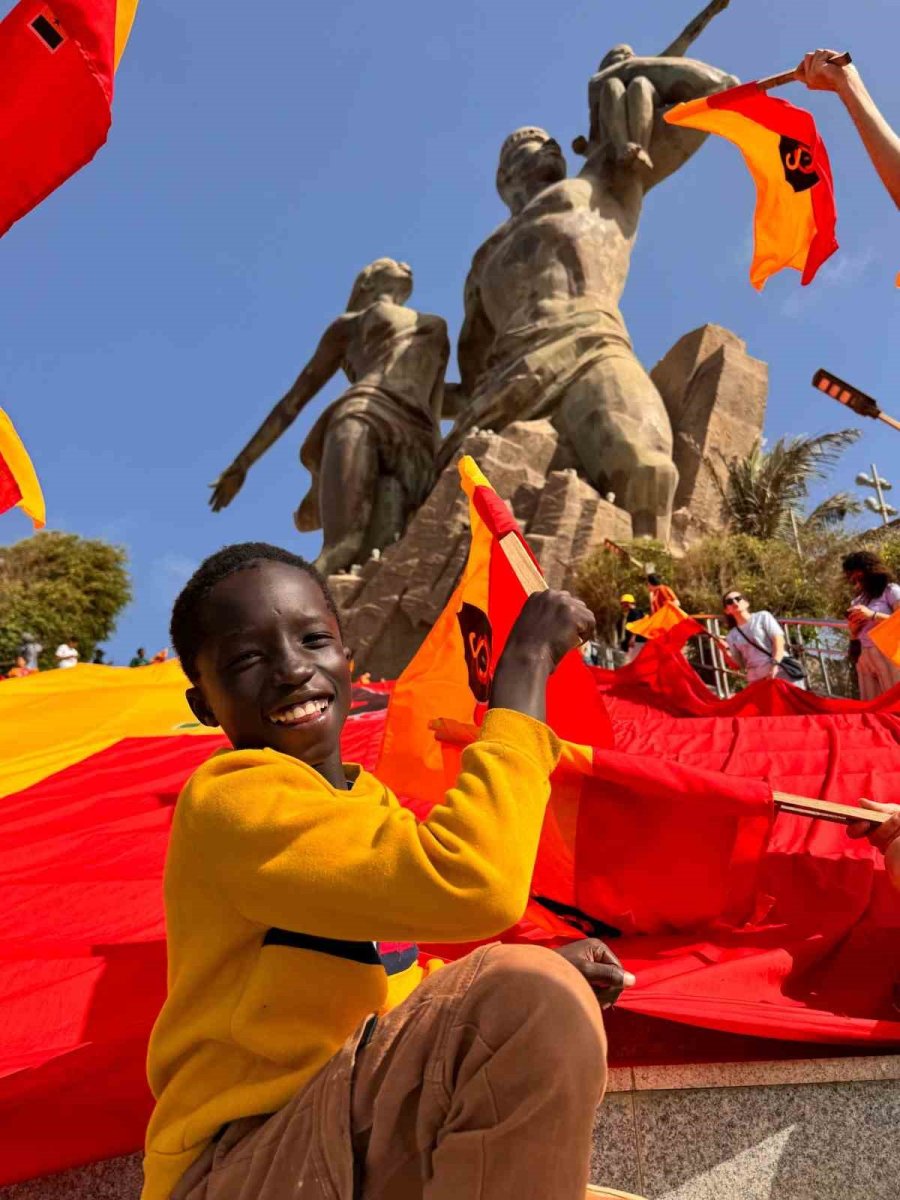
pixel 760 492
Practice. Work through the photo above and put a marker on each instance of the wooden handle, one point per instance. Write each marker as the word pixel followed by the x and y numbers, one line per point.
pixel 523 568
pixel 826 810
pixel 773 81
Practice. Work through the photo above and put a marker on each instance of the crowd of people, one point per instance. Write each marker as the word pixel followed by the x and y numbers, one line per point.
pixel 67 655
pixel 755 641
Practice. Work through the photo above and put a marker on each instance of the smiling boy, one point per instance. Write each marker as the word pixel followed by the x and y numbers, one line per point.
pixel 295 889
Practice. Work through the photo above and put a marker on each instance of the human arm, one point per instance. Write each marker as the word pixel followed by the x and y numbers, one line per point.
pixel 882 144
pixel 777 652
pixel 550 624
pixel 288 851
pixel 321 367
pixel 885 836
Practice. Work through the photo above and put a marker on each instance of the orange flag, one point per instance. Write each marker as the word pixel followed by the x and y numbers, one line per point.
pixel 450 676
pixel 795 214
pixel 664 619
pixel 886 636
pixel 18 482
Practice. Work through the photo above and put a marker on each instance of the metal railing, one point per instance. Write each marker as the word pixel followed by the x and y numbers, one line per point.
pixel 820 645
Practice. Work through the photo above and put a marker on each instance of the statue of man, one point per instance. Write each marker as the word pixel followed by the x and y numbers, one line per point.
pixel 371 453
pixel 543 335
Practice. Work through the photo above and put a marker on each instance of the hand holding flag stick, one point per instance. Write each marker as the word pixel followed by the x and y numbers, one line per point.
pixel 774 81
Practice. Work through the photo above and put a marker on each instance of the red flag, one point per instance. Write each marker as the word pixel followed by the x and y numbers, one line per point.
pixel 57 63
pixel 451 673
pixel 795 214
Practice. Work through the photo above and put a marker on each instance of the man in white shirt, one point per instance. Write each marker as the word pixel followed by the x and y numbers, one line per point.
pixel 67 653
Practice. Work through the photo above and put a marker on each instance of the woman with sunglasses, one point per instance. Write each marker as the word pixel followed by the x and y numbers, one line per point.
pixel 755 639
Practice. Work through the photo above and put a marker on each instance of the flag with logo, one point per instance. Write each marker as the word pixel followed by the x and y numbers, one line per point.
pixel 795 214
pixel 19 485
pixel 450 675
pixel 57 63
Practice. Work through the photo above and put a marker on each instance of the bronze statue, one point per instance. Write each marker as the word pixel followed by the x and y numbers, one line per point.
pixel 371 453
pixel 543 335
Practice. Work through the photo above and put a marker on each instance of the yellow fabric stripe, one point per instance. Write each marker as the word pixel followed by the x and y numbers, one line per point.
pixel 57 718
pixel 16 458
pixel 125 10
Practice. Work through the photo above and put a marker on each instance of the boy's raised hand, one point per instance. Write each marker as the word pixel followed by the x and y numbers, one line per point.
pixel 550 624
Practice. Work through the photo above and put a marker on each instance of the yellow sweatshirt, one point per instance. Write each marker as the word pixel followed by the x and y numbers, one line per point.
pixel 276 887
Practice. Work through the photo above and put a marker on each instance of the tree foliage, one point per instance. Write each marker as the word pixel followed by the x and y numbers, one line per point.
pixel 769 572
pixel 59 585
pixel 760 492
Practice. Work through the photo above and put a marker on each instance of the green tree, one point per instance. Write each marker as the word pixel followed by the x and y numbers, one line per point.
pixel 59 585
pixel 760 492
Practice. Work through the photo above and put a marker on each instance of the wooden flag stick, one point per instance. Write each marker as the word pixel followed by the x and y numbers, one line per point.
pixel 523 568
pixel 774 81
pixel 826 810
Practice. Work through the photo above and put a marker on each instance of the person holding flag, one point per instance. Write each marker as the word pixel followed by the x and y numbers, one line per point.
pixel 297 1042
pixel 821 73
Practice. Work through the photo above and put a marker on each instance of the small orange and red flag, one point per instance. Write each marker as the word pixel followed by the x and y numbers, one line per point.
pixel 795 214
pixel 18 482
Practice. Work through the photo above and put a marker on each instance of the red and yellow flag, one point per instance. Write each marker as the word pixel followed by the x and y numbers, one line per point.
pixel 450 675
pixel 19 484
pixel 670 616
pixel 795 214
pixel 57 63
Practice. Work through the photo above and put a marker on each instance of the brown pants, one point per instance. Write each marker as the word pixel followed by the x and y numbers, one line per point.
pixel 481 1086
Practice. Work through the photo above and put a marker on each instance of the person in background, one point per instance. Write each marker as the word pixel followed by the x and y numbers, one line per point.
pixel 140 658
pixel 20 670
pixel 67 654
pixel 630 643
pixel 99 659
pixel 660 594
pixel 30 650
pixel 160 656
pixel 754 639
pixel 876 598
pixel 882 144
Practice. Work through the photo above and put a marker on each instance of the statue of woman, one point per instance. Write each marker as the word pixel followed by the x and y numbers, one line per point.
pixel 372 452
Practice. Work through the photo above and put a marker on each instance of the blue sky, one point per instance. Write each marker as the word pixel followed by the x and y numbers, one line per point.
pixel 159 303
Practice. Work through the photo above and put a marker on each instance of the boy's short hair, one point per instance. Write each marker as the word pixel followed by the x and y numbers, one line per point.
pixel 186 629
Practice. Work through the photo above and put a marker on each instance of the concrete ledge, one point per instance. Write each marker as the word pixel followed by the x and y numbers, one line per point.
pixel 809 1129
pixel 754 1074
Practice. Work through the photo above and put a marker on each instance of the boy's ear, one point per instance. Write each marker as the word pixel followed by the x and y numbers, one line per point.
pixel 200 708
pixel 348 653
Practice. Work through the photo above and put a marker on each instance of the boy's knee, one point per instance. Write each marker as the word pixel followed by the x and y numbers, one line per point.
pixel 535 990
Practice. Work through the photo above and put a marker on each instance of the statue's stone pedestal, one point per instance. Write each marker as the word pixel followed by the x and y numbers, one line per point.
pixel 390 606
pixel 715 394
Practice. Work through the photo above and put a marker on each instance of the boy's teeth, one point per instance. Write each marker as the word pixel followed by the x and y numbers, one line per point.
pixel 300 710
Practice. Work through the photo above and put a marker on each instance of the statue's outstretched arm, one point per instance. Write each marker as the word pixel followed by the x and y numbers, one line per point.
pixel 671 145
pixel 321 367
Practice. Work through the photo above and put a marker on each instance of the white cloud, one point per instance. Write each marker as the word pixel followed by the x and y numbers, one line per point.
pixel 841 270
